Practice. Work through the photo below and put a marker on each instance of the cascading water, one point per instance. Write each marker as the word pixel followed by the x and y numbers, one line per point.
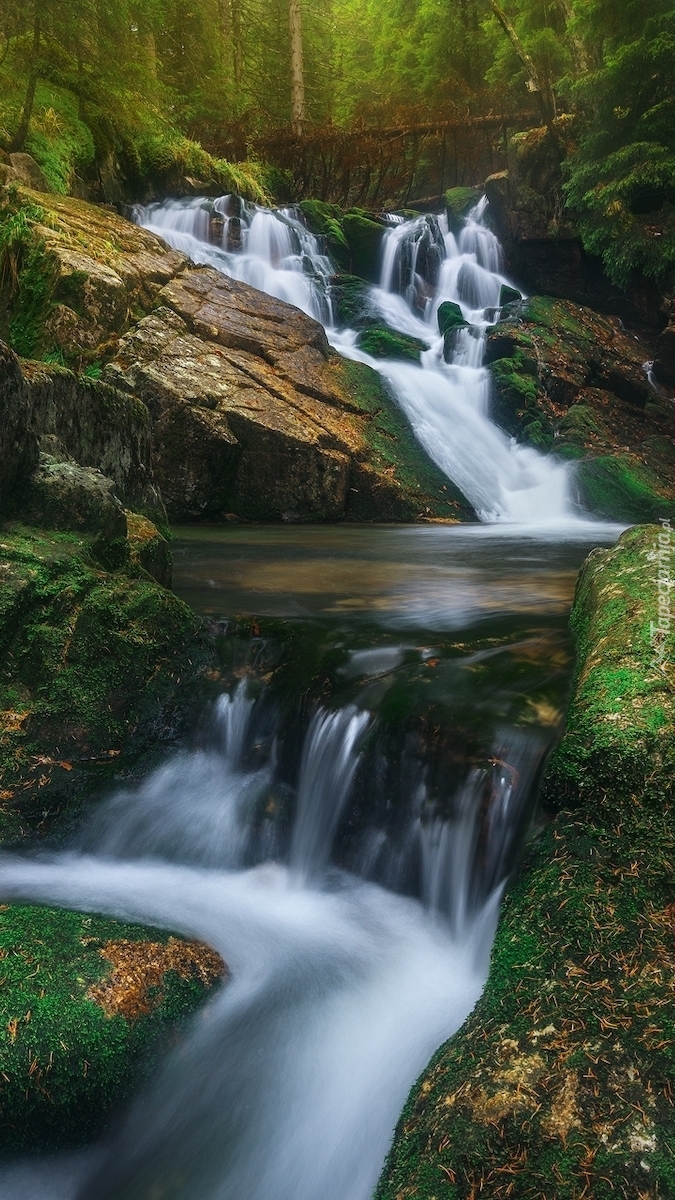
pixel 423 265
pixel 290 1085
pixel 271 250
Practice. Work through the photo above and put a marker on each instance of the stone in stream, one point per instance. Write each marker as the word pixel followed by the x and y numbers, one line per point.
pixel 383 342
pixel 564 1070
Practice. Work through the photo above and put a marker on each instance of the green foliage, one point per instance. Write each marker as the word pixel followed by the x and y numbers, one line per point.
pixel 25 278
pixel 622 175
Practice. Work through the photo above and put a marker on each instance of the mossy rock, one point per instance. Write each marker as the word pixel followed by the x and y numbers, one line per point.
pixel 148 549
pixel 621 488
pixel 450 317
pixel 87 1006
pixel 516 403
pixel 63 495
pixel 393 478
pixel 508 295
pixel 326 221
pixel 559 1083
pixel 382 342
pixel 352 306
pixel 364 238
pixel 458 204
pixel 93 664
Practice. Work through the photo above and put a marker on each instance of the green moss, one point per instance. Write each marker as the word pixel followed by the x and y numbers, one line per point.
pixel 516 401
pixel 559 1084
pixel 65 1064
pixel 364 238
pixel 326 220
pixel 26 278
pixel 621 488
pixel 383 342
pixel 351 301
pixel 458 203
pixel 421 489
pixel 92 663
pixel 450 317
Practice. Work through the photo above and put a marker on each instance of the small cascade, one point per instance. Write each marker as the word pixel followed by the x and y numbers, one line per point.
pixel 329 761
pixel 270 249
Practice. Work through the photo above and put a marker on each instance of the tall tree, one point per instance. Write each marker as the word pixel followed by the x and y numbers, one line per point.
pixel 298 113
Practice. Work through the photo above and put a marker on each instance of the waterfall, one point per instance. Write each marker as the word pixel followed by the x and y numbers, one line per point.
pixel 290 1083
pixel 329 762
pixel 270 249
pixel 423 265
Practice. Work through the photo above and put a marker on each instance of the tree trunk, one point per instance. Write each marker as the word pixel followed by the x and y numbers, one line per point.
pixel 535 83
pixel 578 48
pixel 17 142
pixel 237 44
pixel 297 67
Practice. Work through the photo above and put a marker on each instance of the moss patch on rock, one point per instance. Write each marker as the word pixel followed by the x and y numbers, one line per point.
pixel 383 342
pixel 458 203
pixel 560 1082
pixel 392 478
pixel 93 663
pixel 87 1004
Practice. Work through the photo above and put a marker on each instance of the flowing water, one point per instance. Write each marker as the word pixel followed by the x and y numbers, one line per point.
pixel 343 822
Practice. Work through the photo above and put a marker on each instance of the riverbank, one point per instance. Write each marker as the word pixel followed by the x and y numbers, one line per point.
pixel 560 1082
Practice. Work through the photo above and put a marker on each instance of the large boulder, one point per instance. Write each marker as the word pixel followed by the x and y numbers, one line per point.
pixel 559 1083
pixel 255 416
pixel 569 380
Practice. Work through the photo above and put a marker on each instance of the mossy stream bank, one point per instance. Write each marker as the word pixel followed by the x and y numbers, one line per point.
pixel 560 1083
pixel 98 670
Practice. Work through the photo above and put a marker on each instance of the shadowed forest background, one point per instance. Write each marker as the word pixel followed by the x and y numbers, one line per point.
pixel 356 102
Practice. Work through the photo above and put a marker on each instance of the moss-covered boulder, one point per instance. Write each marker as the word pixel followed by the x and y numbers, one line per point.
pixel 353 238
pixel 381 341
pixel 92 664
pixel 560 1082
pixel 63 495
pixel 450 317
pixel 458 203
pixel 87 1005
pixel 569 380
pixel 352 304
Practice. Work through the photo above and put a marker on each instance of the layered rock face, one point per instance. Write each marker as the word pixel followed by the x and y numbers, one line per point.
pixel 560 1083
pixel 568 380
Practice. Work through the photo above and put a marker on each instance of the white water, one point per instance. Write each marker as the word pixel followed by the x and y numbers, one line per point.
pixel 291 1080
pixel 423 264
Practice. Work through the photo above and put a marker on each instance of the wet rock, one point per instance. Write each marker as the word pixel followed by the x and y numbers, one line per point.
pixel 352 305
pixel 382 342
pixel 353 238
pixel 254 415
pixel 563 1062
pixel 508 295
pixel 450 317
pixel 664 364
pixel 569 380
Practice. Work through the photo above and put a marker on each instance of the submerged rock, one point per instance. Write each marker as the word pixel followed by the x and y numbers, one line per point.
pixel 569 380
pixel 563 1072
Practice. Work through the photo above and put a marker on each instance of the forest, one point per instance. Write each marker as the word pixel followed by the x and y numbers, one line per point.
pixel 233 91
